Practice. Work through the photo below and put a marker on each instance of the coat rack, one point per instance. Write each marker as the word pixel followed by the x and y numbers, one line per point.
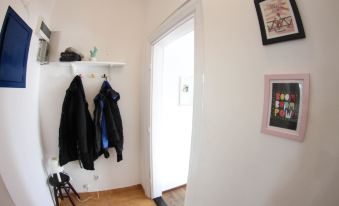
pixel 93 76
pixel 86 69
pixel 75 65
pixel 104 76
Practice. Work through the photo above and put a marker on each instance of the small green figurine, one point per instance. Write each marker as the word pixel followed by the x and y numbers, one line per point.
pixel 93 53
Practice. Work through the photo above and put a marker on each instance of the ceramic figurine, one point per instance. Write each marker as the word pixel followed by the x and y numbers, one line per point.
pixel 93 53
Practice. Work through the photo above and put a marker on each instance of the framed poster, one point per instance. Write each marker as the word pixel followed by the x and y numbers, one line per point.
pixel 279 20
pixel 15 39
pixel 186 91
pixel 286 102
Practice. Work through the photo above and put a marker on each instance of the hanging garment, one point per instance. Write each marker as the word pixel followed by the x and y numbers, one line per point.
pixel 76 132
pixel 108 123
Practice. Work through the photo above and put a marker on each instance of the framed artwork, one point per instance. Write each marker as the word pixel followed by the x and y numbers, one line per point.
pixel 279 20
pixel 15 39
pixel 186 91
pixel 286 105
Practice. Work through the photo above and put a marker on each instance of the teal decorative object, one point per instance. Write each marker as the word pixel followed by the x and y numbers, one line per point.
pixel 93 53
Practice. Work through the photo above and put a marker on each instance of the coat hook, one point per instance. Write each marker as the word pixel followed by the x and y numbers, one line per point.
pixel 104 76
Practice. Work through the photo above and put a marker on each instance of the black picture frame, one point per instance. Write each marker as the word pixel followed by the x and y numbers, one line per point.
pixel 291 21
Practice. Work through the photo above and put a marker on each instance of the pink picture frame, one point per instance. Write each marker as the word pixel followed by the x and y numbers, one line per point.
pixel 286 102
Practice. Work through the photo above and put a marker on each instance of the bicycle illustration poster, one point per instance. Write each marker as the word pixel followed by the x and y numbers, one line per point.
pixel 279 20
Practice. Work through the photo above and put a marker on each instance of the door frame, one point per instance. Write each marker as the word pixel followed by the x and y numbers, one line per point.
pixel 190 9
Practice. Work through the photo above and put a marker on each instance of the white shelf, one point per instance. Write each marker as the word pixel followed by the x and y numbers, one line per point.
pixel 87 64
pixel 79 67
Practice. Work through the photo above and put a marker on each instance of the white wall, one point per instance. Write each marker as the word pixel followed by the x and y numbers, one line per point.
pixel 115 28
pixel 20 149
pixel 238 165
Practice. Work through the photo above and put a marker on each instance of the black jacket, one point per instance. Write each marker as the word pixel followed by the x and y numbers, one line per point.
pixel 76 132
pixel 108 123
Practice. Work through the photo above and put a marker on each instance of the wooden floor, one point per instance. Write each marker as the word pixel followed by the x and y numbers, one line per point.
pixel 132 196
pixel 175 197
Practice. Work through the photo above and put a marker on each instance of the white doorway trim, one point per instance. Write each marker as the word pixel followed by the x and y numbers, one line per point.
pixel 190 9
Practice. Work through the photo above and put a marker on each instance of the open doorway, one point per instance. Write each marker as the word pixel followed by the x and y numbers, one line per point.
pixel 172 112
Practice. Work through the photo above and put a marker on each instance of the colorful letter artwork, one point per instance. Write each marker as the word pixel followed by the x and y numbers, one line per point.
pixel 278 18
pixel 285 105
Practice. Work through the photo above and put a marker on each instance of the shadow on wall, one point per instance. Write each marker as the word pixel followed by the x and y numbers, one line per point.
pixel 314 179
pixel 44 160
pixel 5 198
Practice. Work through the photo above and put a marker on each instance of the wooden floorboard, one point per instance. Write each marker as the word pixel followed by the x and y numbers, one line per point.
pixel 175 197
pixel 131 196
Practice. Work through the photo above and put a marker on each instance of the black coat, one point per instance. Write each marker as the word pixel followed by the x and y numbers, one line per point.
pixel 106 109
pixel 76 132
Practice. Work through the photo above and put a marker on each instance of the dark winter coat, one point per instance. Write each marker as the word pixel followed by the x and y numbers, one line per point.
pixel 108 123
pixel 76 132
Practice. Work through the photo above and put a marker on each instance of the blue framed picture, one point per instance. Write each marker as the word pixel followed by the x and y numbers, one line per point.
pixel 15 39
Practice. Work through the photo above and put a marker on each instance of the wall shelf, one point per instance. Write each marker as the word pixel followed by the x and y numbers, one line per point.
pixel 88 64
pixel 74 66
